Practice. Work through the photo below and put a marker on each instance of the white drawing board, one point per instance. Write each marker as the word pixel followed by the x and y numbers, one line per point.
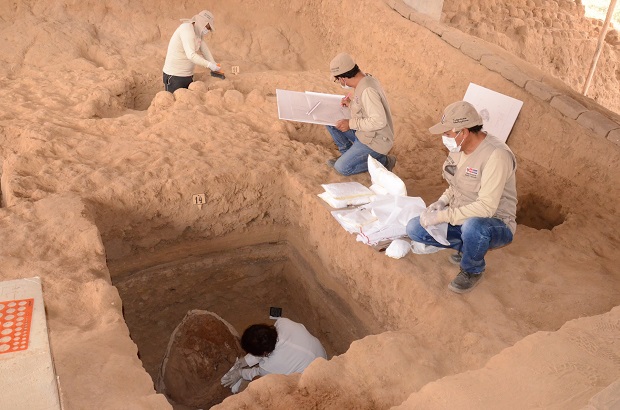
pixel 311 107
pixel 498 111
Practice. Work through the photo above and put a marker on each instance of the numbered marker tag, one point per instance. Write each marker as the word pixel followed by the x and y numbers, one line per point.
pixel 235 69
pixel 199 199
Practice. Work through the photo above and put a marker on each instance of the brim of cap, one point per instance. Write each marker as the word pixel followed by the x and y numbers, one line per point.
pixel 439 128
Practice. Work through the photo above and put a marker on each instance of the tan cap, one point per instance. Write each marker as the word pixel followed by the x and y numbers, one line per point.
pixel 342 63
pixel 202 19
pixel 457 116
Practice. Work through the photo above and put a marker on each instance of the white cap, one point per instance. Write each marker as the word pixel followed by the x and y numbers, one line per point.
pixel 340 64
pixel 203 18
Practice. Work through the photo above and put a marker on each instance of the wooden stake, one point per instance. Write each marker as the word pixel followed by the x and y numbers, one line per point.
pixel 599 47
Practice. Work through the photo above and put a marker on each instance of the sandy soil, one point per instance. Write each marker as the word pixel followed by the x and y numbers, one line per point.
pixel 99 166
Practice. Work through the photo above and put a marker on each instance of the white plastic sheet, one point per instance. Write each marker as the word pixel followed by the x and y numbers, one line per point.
pixel 384 181
pixel 439 232
pixel 392 213
pixel 383 219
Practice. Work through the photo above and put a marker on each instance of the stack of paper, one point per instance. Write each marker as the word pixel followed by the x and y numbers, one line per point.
pixel 343 194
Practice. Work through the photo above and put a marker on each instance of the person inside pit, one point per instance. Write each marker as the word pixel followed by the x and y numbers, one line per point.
pixel 284 348
pixel 188 48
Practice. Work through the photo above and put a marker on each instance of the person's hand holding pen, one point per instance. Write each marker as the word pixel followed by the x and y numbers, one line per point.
pixel 346 100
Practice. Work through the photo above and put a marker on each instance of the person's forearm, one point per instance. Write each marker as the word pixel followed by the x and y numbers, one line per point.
pixel 204 49
pixel 250 373
pixel 368 123
pixel 189 47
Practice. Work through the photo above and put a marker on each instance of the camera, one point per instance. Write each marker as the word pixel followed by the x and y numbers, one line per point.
pixel 275 312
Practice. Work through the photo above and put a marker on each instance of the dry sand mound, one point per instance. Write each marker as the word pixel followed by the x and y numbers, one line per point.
pixel 99 167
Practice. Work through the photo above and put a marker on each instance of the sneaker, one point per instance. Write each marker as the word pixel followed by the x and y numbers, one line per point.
pixel 465 282
pixel 455 258
pixel 332 161
pixel 391 161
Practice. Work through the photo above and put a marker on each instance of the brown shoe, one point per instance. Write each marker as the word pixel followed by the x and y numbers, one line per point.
pixel 465 282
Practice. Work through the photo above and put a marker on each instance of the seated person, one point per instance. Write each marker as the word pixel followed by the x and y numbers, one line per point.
pixel 285 348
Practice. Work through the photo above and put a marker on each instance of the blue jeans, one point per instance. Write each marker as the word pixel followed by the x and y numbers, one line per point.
pixel 354 154
pixel 473 239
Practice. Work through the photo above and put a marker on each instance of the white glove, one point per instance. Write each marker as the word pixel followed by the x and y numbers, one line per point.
pixel 214 66
pixel 233 375
pixel 429 218
pixel 437 206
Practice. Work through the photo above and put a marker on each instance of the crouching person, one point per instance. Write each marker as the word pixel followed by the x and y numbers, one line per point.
pixel 480 203
pixel 285 348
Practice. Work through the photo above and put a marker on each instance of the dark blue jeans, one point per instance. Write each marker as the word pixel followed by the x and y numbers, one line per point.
pixel 173 83
pixel 473 239
pixel 354 154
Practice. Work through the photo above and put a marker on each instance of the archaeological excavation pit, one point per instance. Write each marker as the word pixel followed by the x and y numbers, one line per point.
pixel 239 285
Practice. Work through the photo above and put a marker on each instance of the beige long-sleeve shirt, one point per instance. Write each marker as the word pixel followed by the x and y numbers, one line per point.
pixel 482 184
pixel 375 118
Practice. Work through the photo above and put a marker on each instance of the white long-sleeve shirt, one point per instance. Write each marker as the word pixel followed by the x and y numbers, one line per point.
pixel 295 349
pixel 185 50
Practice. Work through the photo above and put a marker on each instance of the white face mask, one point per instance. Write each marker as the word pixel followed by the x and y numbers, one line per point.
pixel 204 32
pixel 345 86
pixel 451 144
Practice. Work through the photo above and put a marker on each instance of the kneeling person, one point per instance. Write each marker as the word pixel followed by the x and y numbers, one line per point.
pixel 370 130
pixel 285 348
pixel 480 203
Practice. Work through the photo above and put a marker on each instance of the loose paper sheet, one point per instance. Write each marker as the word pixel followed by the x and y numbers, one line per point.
pixel 311 107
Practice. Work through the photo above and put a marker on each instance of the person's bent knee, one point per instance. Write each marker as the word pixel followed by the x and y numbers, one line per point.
pixel 415 231
pixel 474 224
pixel 343 169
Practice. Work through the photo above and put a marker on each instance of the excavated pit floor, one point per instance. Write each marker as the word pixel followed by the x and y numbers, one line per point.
pixel 240 285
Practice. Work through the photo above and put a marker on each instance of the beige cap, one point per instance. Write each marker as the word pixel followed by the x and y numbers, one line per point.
pixel 342 63
pixel 202 19
pixel 457 116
